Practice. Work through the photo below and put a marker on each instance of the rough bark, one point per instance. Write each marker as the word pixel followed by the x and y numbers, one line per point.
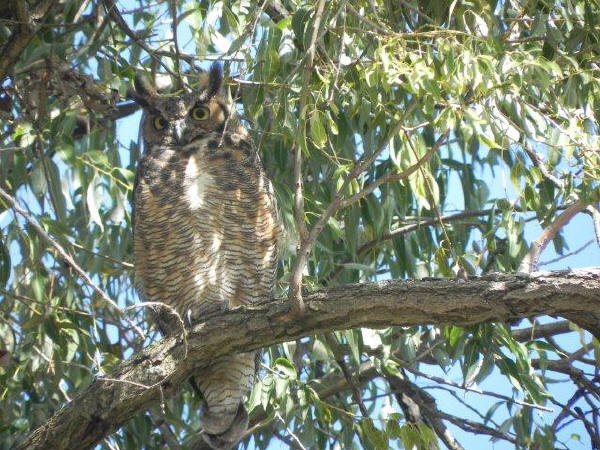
pixel 136 384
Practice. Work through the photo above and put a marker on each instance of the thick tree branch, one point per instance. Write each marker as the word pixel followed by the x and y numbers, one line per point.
pixel 158 371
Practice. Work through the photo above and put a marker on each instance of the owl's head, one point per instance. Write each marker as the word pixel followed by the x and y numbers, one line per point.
pixel 176 120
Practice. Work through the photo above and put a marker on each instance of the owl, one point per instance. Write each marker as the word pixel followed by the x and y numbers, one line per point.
pixel 206 231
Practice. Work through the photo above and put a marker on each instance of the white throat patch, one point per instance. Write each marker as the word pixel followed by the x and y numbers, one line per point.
pixel 195 183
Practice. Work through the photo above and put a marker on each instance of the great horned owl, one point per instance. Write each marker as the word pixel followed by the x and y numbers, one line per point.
pixel 205 231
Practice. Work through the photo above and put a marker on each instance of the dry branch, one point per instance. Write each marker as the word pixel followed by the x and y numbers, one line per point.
pixel 105 405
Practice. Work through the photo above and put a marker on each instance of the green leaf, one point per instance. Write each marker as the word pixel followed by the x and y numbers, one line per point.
pixel 317 130
pixel 39 185
pixel 285 367
pixel 94 200
pixel 38 285
pixel 377 437
pixel 353 343
pixel 24 134
pixel 299 20
pixel 284 23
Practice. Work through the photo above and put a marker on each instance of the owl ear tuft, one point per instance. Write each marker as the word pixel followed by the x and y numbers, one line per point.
pixel 215 79
pixel 144 89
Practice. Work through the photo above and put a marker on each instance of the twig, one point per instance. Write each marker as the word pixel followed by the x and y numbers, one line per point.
pixel 338 67
pixel 362 18
pixel 476 428
pixel 296 277
pixel 530 262
pixel 331 385
pixel 285 440
pixel 306 245
pixel 566 255
pixel 121 380
pixel 458 398
pixel 566 408
pixel 539 163
pixel 420 407
pixel 100 255
pixel 471 389
pixel 565 367
pixel 276 11
pixel 167 434
pixel 339 358
pixel 593 210
pixel 537 331
pixel 421 222
pixel 417 11
pixel 395 177
pixel 173 9
pixel 290 432
pixel 114 13
pixel 590 428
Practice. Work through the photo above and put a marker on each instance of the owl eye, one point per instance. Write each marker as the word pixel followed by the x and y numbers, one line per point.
pixel 200 113
pixel 159 122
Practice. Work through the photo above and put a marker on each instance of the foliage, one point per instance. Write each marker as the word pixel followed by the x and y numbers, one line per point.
pixel 512 91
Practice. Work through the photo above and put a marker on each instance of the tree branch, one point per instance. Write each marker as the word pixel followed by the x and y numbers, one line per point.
pixel 296 275
pixel 530 261
pixel 538 331
pixel 339 202
pixel 137 38
pixel 420 407
pixel 23 33
pixel 137 384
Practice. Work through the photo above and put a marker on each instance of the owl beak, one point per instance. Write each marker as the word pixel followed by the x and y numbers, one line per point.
pixel 178 131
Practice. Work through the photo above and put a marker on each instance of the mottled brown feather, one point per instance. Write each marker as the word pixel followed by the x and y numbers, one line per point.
pixel 206 232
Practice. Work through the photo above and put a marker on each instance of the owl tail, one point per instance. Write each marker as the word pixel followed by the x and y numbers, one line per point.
pixel 224 384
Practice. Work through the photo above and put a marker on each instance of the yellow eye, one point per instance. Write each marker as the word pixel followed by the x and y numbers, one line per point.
pixel 200 113
pixel 159 122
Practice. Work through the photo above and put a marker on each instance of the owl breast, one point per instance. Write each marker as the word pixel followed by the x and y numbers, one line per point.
pixel 206 228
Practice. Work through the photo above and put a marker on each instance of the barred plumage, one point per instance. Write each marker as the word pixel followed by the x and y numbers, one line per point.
pixel 205 231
